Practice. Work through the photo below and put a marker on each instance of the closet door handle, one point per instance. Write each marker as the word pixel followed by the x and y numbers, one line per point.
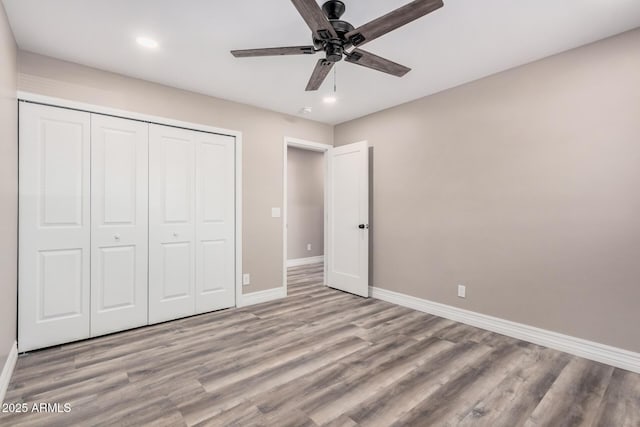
pixel 175 234
pixel 116 237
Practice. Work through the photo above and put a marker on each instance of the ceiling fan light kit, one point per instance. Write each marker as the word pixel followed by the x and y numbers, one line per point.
pixel 339 39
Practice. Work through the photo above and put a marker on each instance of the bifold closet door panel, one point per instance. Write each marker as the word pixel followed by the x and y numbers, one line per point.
pixel 172 180
pixel 54 226
pixel 215 222
pixel 119 223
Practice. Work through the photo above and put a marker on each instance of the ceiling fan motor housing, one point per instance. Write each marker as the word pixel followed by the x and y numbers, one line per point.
pixel 341 28
pixel 334 48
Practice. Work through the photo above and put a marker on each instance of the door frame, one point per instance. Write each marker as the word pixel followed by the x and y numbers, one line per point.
pixel 35 98
pixel 325 149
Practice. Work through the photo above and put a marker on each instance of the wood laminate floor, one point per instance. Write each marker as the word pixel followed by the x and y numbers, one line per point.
pixel 319 357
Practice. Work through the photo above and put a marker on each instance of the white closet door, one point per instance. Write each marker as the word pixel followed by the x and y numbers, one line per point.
pixel 172 177
pixel 119 221
pixel 54 241
pixel 215 222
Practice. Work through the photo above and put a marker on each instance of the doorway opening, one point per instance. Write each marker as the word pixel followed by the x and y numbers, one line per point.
pixel 305 212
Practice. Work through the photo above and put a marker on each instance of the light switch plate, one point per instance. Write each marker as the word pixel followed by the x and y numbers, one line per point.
pixel 462 291
pixel 309 246
pixel 246 279
pixel 275 212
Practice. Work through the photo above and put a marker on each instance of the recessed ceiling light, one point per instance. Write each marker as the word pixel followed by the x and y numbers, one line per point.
pixel 329 99
pixel 147 42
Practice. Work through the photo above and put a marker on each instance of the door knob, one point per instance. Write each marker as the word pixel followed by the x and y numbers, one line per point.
pixel 116 236
pixel 175 234
pixel 363 226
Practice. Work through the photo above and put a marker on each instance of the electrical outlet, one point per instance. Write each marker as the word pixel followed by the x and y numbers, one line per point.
pixel 308 246
pixel 246 279
pixel 462 291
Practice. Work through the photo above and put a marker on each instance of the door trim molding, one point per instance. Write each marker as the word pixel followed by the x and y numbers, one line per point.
pixel 238 220
pixel 125 114
pixel 149 118
pixel 311 146
pixel 7 370
pixel 591 350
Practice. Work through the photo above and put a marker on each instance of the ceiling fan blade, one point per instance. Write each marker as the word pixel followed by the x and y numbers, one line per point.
pixel 323 67
pixel 274 51
pixel 392 20
pixel 315 19
pixel 369 60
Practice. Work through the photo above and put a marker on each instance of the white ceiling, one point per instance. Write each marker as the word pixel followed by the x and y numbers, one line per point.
pixel 464 41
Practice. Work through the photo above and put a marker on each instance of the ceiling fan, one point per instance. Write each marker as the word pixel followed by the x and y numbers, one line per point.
pixel 340 39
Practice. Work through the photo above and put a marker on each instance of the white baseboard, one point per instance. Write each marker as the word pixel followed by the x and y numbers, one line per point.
pixel 304 261
pixel 7 371
pixel 602 353
pixel 262 296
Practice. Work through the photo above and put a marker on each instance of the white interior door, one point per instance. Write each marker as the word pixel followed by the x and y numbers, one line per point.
pixel 215 222
pixel 172 179
pixel 54 230
pixel 119 220
pixel 348 258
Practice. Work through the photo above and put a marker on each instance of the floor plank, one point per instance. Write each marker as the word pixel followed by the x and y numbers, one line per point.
pixel 319 357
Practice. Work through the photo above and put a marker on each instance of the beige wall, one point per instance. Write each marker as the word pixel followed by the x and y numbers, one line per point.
pixel 263 132
pixel 8 188
pixel 524 186
pixel 305 203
